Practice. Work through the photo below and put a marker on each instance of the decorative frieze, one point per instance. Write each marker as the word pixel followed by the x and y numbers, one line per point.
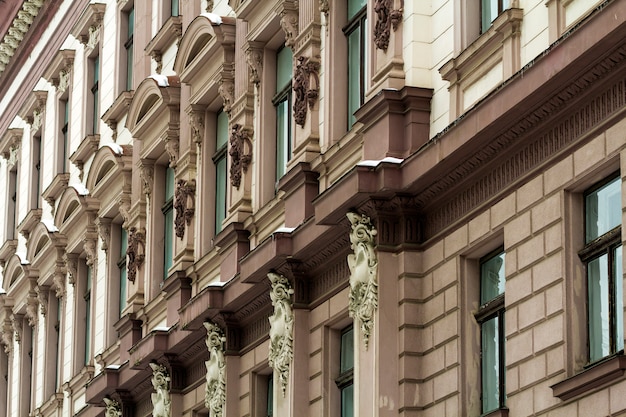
pixel 161 402
pixel 135 251
pixel 306 88
pixel 215 396
pixel 184 204
pixel 363 263
pixel 240 160
pixel 386 18
pixel 281 328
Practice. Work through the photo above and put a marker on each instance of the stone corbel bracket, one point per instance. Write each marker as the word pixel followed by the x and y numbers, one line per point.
pixel 195 112
pixel 161 400
pixel 135 251
pixel 215 395
pixel 184 204
pixel 112 408
pixel 281 328
pixel 386 18
pixel 254 58
pixel 363 264
pixel 240 137
pixel 306 87
pixel 288 12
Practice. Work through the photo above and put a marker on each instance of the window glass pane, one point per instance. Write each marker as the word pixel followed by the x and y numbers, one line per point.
pixel 222 130
pixel 168 243
pixel 175 4
pixel 354 6
pixel 129 67
pixel 270 396
pixel 347 401
pixel 282 138
pixel 131 23
pixel 169 183
pixel 284 64
pixel 492 278
pixel 123 287
pixel 490 365
pixel 619 299
pixel 603 209
pixel 220 193
pixel 598 288
pixel 354 73
pixel 347 351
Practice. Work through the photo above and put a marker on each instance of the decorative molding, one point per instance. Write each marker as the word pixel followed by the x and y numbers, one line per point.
pixel 71 266
pixel 42 298
pixel 288 12
pixel 184 204
pixel 87 148
pixel 135 251
pixel 172 148
pixel 227 92
pixel 104 231
pixel 240 136
pixel 146 172
pixel 281 328
pixel 6 339
pixel 89 245
pixel 123 205
pixel 215 396
pixel 59 70
pixel 386 18
pixel 324 8
pixel 18 29
pixel 209 6
pixel 306 70
pixel 10 144
pixel 112 408
pixel 254 58
pixel 32 308
pixel 16 325
pixel 87 29
pixel 161 402
pixel 170 32
pixel 363 263
pixel 196 122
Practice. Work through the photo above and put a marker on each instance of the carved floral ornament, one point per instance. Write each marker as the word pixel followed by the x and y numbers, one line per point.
pixel 215 395
pixel 184 204
pixel 386 18
pixel 281 328
pixel 112 408
pixel 240 136
pixel 306 92
pixel 363 264
pixel 161 401
pixel 135 251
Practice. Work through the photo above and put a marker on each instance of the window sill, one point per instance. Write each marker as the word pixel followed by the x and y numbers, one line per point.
pixel 501 412
pixel 590 378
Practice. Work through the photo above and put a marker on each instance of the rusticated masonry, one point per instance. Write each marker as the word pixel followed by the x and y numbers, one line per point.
pixel 184 204
pixel 363 263
pixel 239 137
pixel 306 92
pixel 386 18
pixel 281 328
pixel 215 395
pixel 135 251
pixel 161 402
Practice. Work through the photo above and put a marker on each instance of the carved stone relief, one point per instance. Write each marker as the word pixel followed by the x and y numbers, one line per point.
pixel 184 204
pixel 306 93
pixel 104 231
pixel 324 8
pixel 146 172
pixel 71 266
pixel 289 23
pixel 239 138
pixel 386 18
pixel 363 263
pixel 196 122
pixel 32 309
pixel 281 328
pixel 42 298
pixel 89 245
pixel 112 408
pixel 209 6
pixel 16 324
pixel 172 148
pixel 135 251
pixel 227 92
pixel 254 58
pixel 215 396
pixel 7 336
pixel 161 401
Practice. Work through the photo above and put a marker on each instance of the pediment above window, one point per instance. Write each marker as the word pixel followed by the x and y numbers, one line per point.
pixel 87 29
pixel 110 172
pixel 171 31
pixel 59 69
pixel 33 109
pixel 10 143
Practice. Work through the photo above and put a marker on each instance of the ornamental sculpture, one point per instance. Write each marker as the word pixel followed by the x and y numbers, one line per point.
pixel 135 251
pixel 385 19
pixel 305 93
pixel 184 204
pixel 161 398
pixel 112 408
pixel 281 328
pixel 363 265
pixel 239 137
pixel 215 395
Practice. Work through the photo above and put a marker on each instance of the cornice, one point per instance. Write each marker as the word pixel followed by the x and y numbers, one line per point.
pixel 61 63
pixel 17 31
pixel 9 141
pixel 170 31
pixel 34 106
pixel 89 23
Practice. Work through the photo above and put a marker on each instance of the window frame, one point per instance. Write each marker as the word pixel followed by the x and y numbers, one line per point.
pixel 129 46
pixel 359 22
pixel 345 379
pixel 501 5
pixel 94 88
pixel 487 311
pixel 121 266
pixel 219 156
pixel 283 95
pixel 167 209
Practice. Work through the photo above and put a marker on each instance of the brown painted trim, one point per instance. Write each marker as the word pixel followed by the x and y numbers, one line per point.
pixel 591 378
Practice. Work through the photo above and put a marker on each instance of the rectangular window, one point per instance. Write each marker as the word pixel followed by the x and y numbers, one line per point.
pixel 121 265
pixel 345 381
pixel 12 208
pixel 128 45
pixel 57 345
pixel 270 396
pixel 175 8
pixel 168 221
pixel 489 10
pixel 65 116
pixel 87 298
pixel 36 172
pixel 602 256
pixel 282 103
pixel 95 95
pixel 490 318
pixel 221 175
pixel 356 34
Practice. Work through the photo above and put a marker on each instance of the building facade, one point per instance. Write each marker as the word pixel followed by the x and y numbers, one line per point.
pixel 312 208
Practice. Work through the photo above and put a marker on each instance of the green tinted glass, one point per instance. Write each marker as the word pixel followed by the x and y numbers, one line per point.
pixel 220 192
pixel 284 68
pixel 222 130
pixel 603 209
pixel 355 6
pixel 598 305
pixel 492 278
pixel 490 365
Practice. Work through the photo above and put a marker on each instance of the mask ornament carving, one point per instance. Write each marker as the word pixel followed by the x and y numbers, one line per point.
pixel 363 264
pixel 215 396
pixel 239 137
pixel 386 18
pixel 306 92
pixel 135 251
pixel 184 204
pixel 161 398
pixel 281 328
